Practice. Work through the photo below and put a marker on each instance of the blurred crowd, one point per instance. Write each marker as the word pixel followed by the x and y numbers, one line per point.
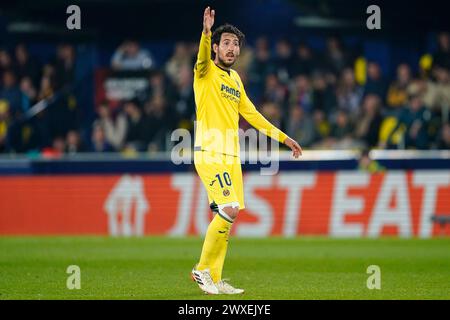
pixel 329 99
pixel 26 85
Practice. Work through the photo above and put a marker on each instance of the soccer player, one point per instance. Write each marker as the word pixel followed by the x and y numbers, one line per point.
pixel 220 98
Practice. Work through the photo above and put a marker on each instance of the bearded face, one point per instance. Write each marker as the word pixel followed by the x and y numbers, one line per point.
pixel 228 49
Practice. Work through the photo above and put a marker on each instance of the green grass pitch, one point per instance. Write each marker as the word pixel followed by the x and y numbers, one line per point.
pixel 272 268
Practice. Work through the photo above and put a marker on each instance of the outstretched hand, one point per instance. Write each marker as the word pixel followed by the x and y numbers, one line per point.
pixel 208 20
pixel 295 147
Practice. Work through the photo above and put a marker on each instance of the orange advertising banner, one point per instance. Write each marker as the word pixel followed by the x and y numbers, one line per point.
pixel 337 204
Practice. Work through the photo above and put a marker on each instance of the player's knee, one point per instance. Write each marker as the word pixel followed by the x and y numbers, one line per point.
pixel 232 212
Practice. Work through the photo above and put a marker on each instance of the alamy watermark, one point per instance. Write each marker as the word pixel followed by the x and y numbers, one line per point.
pixel 74 20
pixel 374 20
pixel 374 280
pixel 247 146
pixel 74 278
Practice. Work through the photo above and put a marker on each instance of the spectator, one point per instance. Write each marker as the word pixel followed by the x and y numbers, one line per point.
pixel 283 60
pixel 367 164
pixel 261 66
pixel 323 97
pixel 22 136
pixel 41 129
pixel 181 58
pixel 375 83
pixel 6 62
pixel 414 118
pixel 57 149
pixel 26 66
pixel 160 85
pixel 65 65
pixel 11 93
pixel 348 93
pixel 185 102
pixel 114 126
pixel 137 129
pixel 74 144
pixel 272 112
pixel 303 62
pixel 335 59
pixel 369 121
pixel 301 93
pixel 4 125
pixel 130 56
pixel 342 128
pixel 444 139
pixel 441 58
pixel 274 91
pixel 300 126
pixel 47 88
pixel 425 88
pixel 435 95
pixel 397 95
pixel 159 123
pixel 322 128
pixel 63 115
pixel 29 92
pixel 441 101
pixel 98 139
pixel 49 71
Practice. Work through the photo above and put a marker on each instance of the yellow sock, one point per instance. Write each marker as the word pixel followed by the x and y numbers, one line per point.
pixel 216 269
pixel 215 247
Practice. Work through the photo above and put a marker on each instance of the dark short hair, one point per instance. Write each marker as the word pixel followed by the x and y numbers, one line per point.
pixel 226 28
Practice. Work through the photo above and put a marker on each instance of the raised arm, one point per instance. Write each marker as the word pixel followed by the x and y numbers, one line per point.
pixel 257 120
pixel 204 51
pixel 208 20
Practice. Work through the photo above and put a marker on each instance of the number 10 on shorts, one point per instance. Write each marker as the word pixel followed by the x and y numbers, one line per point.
pixel 226 178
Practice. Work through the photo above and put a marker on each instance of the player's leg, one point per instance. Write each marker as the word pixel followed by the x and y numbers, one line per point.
pixel 230 210
pixel 217 181
pixel 208 271
pixel 238 189
pixel 213 253
pixel 216 240
pixel 220 186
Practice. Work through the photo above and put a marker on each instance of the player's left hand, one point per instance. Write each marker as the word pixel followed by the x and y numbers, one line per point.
pixel 295 147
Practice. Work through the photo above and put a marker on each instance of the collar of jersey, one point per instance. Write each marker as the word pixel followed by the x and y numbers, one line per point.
pixel 227 71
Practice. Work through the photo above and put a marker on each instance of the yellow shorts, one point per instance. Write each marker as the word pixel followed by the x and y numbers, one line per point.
pixel 221 175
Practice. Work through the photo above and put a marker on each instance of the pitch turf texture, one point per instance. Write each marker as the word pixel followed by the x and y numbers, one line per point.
pixel 273 268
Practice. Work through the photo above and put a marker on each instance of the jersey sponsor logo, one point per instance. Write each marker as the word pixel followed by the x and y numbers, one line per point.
pixel 230 90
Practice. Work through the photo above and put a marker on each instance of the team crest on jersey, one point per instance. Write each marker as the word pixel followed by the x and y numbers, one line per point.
pixel 226 192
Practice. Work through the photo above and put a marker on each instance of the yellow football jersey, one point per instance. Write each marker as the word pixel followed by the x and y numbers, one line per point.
pixel 220 97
